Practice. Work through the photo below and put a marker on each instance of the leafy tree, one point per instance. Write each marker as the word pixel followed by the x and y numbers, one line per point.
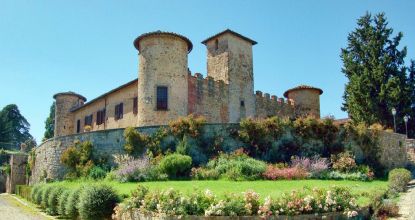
pixel 377 74
pixel 14 128
pixel 50 123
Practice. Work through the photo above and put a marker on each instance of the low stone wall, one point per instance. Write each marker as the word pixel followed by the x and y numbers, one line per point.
pixel 135 214
pixel 393 150
pixel 106 143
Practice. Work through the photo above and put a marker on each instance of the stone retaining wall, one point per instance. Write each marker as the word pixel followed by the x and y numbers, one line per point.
pixel 393 150
pixel 106 143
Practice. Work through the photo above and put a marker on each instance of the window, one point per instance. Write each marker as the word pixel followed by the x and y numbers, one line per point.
pixel 88 120
pixel 162 98
pixel 78 126
pixel 101 116
pixel 242 103
pixel 135 105
pixel 118 111
pixel 216 44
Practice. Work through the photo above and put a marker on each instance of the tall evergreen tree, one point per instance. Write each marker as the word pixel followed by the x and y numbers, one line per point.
pixel 14 128
pixel 50 123
pixel 377 74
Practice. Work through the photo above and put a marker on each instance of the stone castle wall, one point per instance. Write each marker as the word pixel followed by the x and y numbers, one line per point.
pixel 393 150
pixel 208 98
pixel 106 143
pixel 267 106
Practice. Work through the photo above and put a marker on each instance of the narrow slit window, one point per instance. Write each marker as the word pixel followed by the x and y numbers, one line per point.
pixel 162 98
pixel 78 126
pixel 216 44
pixel 135 105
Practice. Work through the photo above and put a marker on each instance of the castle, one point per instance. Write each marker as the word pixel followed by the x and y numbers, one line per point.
pixel 166 89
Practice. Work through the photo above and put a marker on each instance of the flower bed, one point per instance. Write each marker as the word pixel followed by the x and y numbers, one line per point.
pixel 174 203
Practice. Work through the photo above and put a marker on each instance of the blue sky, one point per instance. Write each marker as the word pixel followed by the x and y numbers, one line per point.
pixel 86 46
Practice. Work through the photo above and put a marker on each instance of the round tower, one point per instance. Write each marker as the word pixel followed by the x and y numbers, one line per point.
pixel 306 100
pixel 162 77
pixel 64 118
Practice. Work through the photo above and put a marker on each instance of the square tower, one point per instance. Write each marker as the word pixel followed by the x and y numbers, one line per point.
pixel 229 58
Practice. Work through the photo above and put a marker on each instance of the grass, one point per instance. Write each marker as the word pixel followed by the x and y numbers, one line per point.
pixel 362 190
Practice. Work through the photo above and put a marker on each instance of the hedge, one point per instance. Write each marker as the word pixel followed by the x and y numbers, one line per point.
pixel 24 191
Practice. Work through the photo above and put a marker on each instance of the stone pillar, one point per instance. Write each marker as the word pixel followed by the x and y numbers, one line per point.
pixel 18 172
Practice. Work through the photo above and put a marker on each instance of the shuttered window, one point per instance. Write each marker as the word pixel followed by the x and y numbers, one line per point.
pixel 101 116
pixel 162 98
pixel 119 111
pixel 88 120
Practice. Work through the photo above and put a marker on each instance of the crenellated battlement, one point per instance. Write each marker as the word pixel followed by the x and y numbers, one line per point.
pixel 208 97
pixel 270 105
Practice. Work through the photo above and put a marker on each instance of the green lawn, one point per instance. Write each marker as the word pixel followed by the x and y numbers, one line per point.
pixel 273 188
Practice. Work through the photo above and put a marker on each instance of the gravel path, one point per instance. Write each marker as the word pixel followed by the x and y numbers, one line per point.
pixel 407 203
pixel 13 209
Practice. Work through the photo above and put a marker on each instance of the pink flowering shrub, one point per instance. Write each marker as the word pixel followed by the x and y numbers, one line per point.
pixel 289 173
pixel 306 201
pixel 316 166
pixel 174 203
pixel 343 162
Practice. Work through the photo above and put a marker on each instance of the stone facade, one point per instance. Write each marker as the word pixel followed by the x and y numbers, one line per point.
pixel 393 150
pixel 17 172
pixel 226 95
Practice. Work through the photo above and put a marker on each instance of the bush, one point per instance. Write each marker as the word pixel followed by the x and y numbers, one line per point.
pixel 204 174
pixel 24 191
pixel 237 166
pixel 38 195
pixel 189 125
pixel 190 146
pixel 316 166
pixel 398 179
pixel 289 173
pixel 176 165
pixel 343 162
pixel 97 202
pixel 34 194
pixel 134 170
pixel 307 201
pixel 53 198
pixel 62 201
pixel 135 142
pixel 45 195
pixel 78 158
pixel 71 209
pixel 97 173
pixel 336 175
